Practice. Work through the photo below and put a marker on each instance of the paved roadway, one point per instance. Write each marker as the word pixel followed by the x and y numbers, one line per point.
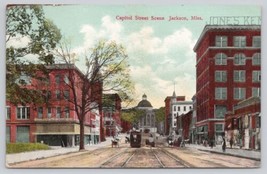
pixel 104 156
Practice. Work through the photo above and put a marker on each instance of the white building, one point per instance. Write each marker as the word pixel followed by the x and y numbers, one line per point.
pixel 148 120
pixel 178 108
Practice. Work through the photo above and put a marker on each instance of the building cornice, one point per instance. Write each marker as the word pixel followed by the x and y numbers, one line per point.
pixel 208 120
pixel 224 27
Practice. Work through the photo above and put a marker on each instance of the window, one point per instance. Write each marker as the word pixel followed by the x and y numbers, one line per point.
pixel 256 92
pixel 256 41
pixel 23 113
pixel 221 41
pixel 178 108
pixel 57 94
pixel 219 128
pixel 240 41
pixel 220 59
pixel 184 108
pixel 66 95
pixel 40 112
pixel 49 112
pixel 256 59
pixel 48 95
pixel 57 78
pixel 221 93
pixel 190 107
pixel 174 108
pixel 67 112
pixel 256 76
pixel 239 93
pixel 58 112
pixel 240 76
pixel 240 59
pixel 8 113
pixel 8 134
pixel 220 76
pixel 23 134
pixel 66 79
pixel 220 111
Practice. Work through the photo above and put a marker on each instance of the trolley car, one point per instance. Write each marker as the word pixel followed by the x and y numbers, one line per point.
pixel 135 139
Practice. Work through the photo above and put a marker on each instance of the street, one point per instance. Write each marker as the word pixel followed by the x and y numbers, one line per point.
pixel 145 157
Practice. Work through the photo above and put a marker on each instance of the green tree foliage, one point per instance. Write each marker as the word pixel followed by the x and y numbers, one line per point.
pixel 132 115
pixel 28 34
pixel 160 114
pixel 106 70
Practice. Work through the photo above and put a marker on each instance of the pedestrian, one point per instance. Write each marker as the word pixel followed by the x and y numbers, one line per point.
pixel 223 145
pixel 231 142
pixel 151 141
pixel 211 143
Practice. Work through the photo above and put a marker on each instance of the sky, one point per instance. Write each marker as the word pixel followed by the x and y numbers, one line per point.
pixel 160 51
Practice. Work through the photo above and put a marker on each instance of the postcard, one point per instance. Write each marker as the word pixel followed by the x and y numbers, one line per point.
pixel 133 86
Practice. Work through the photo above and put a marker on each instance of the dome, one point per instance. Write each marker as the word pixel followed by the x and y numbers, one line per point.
pixel 144 102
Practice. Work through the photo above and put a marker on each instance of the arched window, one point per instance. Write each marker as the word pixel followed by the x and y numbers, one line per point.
pixel 256 59
pixel 220 59
pixel 240 59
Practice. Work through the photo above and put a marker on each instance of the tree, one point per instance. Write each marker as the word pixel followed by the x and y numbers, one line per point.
pixel 28 34
pixel 106 70
pixel 160 114
pixel 132 116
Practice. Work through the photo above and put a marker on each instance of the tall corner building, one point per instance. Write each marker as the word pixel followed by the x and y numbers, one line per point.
pixel 228 64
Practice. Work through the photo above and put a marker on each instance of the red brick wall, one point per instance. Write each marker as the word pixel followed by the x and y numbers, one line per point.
pixel 205 71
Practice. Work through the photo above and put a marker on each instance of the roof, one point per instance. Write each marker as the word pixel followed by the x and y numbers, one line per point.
pixel 64 66
pixel 224 27
pixel 144 103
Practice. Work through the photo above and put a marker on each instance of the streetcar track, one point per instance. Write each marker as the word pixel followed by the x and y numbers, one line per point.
pixel 175 158
pixel 127 161
pixel 111 159
pixel 160 162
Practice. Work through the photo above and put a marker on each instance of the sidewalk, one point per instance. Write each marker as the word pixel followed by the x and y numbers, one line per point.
pixel 54 151
pixel 250 154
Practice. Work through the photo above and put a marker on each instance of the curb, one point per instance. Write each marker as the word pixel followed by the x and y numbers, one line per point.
pixel 235 155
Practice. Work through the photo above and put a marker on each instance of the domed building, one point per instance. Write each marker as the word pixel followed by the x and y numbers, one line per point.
pixel 147 121
pixel 144 103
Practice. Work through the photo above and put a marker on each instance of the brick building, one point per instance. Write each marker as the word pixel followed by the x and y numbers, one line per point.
pixel 227 72
pixel 243 124
pixel 185 124
pixel 175 106
pixel 54 122
pixel 111 114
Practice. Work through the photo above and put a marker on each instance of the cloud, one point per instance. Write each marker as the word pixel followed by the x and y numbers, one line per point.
pixel 156 62
pixel 90 35
pixel 18 41
pixel 144 40
pixel 110 29
pixel 157 89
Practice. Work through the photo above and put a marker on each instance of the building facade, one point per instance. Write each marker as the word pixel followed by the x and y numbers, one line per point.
pixel 192 131
pixel 227 72
pixel 175 106
pixel 112 114
pixel 186 120
pixel 147 122
pixel 54 122
pixel 243 124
